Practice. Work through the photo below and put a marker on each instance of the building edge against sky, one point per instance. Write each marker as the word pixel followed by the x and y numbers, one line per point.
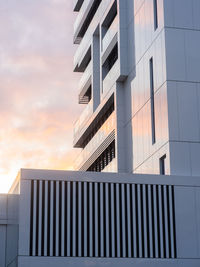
pixel 140 85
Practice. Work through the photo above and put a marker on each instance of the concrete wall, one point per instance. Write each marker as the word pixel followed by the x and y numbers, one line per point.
pixel 84 262
pixel 176 214
pixel 182 35
pixel 148 43
pixel 174 46
pixel 8 230
pixel 186 210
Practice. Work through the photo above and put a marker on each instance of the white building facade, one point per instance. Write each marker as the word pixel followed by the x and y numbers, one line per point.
pixel 140 84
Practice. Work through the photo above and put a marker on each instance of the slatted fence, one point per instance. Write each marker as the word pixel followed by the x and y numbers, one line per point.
pixel 96 219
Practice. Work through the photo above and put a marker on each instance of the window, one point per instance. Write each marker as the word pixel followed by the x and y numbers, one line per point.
pixel 152 101
pixel 162 165
pixel 155 10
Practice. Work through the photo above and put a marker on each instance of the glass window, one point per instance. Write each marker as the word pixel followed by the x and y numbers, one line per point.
pixel 155 9
pixel 162 165
pixel 152 101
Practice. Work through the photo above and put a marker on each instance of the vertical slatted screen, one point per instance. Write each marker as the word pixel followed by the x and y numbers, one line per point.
pixel 90 219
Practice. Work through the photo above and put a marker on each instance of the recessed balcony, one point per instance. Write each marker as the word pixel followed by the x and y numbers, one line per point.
pixel 106 129
pixel 84 84
pixel 110 69
pixel 85 115
pixel 110 34
pixel 91 125
pixel 87 38
pixel 84 18
pixel 111 77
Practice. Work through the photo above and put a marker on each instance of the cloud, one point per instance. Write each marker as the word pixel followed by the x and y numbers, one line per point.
pixel 38 89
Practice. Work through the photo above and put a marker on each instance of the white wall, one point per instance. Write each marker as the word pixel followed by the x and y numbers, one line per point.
pixel 8 230
pixel 182 35
pixel 149 43
pixel 2 245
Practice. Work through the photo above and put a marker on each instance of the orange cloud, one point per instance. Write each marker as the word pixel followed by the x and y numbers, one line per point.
pixel 38 90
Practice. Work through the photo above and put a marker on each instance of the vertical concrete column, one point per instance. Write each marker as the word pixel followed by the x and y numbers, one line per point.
pixel 96 69
pixel 12 230
pixel 187 220
pixel 24 217
pixel 3 228
pixel 120 133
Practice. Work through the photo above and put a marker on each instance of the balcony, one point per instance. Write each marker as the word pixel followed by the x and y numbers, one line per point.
pixel 83 118
pixel 86 128
pixel 85 82
pixel 96 141
pixel 111 77
pixel 84 18
pixel 81 17
pixel 110 34
pixel 87 39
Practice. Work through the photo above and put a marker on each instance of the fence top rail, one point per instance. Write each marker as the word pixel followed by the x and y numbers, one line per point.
pixel 77 176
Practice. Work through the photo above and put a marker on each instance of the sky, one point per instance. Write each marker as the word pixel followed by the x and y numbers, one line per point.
pixel 38 89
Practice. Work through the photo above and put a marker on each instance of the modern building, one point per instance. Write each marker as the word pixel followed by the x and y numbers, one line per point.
pixel 141 86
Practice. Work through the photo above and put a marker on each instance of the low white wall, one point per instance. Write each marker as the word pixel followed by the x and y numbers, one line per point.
pixel 3 228
pixel 95 262
pixel 8 230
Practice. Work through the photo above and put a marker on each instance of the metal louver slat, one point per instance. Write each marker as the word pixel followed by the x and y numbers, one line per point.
pixel 68 219
pixel 91 219
pixel 63 218
pixel 151 222
pixel 46 207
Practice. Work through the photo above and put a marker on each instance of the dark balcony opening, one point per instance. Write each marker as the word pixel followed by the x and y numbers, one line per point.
pixel 104 159
pixel 110 61
pixel 109 19
pixel 88 19
pixel 100 120
pixel 98 124
pixel 86 97
pixel 78 5
pixel 85 61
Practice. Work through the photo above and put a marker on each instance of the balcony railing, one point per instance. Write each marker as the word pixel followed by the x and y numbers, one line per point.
pixel 111 77
pixel 87 39
pixel 99 137
pixel 85 77
pixel 111 32
pixel 81 15
pixel 83 118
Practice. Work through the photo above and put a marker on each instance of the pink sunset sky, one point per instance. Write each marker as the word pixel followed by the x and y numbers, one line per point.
pixel 38 89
